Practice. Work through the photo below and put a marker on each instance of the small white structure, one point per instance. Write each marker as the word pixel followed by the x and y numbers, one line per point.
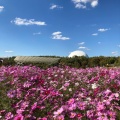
pixel 77 53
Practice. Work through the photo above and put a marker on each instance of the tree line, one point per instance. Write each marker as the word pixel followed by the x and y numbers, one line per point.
pixel 76 61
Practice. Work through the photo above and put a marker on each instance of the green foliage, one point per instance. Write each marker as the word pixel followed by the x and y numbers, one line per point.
pixel 76 61
pixel 5 102
pixel 8 61
pixel 83 62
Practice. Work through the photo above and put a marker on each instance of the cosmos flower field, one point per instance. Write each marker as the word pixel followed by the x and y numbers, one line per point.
pixel 31 93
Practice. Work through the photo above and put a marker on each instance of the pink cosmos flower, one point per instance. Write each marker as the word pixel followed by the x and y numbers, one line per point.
pixel 58 112
pixel 107 102
pixel 72 114
pixel 19 111
pixel 27 84
pixel 116 95
pixel 100 106
pixel 34 106
pixel 113 75
pixel 11 93
pixel 112 115
pixel 71 101
pixel 102 116
pixel 90 113
pixel 72 107
pixel 60 117
pixel 66 84
pixel 107 92
pixel 8 116
pixel 19 117
pixel 24 104
pixel 81 105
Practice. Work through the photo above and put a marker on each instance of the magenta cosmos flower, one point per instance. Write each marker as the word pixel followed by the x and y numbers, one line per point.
pixel 19 117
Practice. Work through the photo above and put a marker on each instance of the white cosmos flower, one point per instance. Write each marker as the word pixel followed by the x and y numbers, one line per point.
pixel 94 86
pixel 77 84
pixel 70 89
pixel 116 95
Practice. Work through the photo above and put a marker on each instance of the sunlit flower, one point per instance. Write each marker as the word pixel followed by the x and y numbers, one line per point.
pixel 58 112
pixel 70 89
pixel 72 114
pixel 116 95
pixel 71 101
pixel 72 107
pixel 94 85
pixel 76 84
pixel 60 117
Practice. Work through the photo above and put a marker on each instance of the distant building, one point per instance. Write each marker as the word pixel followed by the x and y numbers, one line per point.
pixel 77 53
pixel 33 59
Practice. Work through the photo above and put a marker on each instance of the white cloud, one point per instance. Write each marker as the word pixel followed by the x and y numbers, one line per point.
pixel 20 21
pixel 9 51
pixel 38 33
pixel 83 3
pixel 79 5
pixel 1 8
pixel 81 43
pixel 115 53
pixel 94 3
pixel 95 34
pixel 55 7
pixel 58 35
pixel 82 47
pixel 103 29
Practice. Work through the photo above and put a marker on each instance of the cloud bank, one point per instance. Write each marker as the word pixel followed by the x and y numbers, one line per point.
pixel 82 4
pixel 20 21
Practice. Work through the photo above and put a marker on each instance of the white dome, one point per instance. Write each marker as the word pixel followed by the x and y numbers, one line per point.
pixel 77 53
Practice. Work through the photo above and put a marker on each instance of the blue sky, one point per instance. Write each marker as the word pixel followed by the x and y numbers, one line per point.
pixel 59 27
